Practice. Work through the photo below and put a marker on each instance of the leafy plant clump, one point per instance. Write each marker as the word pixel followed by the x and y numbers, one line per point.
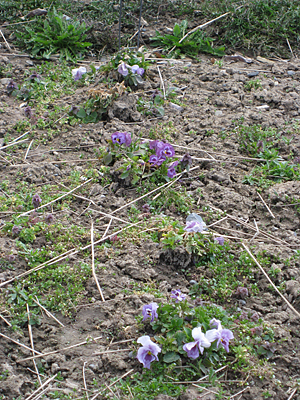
pixel 192 45
pixel 58 34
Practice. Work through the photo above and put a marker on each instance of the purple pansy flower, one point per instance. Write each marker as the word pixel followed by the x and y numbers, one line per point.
pixel 171 170
pixel 165 149
pixel 155 160
pixel 78 72
pixel 219 240
pixel 223 337
pixel 36 201
pixel 35 77
pixel 149 311
pixel 153 144
pixel 148 352
pixel 121 138
pixel 135 69
pixel 201 341
pixel 123 69
pixel 215 323
pixel 177 295
pixel 194 226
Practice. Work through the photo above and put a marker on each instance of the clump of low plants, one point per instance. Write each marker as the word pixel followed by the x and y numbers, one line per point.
pixel 191 45
pixel 141 159
pixel 57 35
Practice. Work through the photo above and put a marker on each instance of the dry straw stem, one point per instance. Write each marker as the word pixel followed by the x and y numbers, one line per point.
pixel 84 381
pixel 292 394
pixel 13 144
pixel 26 154
pixel 241 391
pixel 53 201
pixel 41 387
pixel 272 215
pixel 47 312
pixel 162 82
pixel 7 45
pixel 32 344
pixel 5 320
pixel 268 235
pixel 60 350
pixel 112 384
pixel 93 261
pixel 267 276
pixel 20 344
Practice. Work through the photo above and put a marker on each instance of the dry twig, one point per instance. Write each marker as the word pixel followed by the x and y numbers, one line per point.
pixel 267 276
pixel 93 262
pixel 47 312
pixel 265 204
pixel 32 345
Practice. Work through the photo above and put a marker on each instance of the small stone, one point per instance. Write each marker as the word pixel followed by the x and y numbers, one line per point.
pixel 263 107
pixel 5 81
pixel 242 303
pixel 218 113
pixel 193 282
pixel 29 62
pixel 290 73
pixel 252 74
pixel 176 107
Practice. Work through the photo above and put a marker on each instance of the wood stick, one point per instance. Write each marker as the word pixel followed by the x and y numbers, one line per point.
pixel 288 43
pixel 265 204
pixel 41 387
pixel 53 201
pixel 20 344
pixel 58 351
pixel 272 284
pixel 47 312
pixel 7 45
pixel 20 137
pixel 107 228
pixel 292 394
pixel 93 262
pixel 84 381
pixel 5 320
pixel 28 150
pixel 162 82
pixel 241 391
pixel 32 344
pixel 13 144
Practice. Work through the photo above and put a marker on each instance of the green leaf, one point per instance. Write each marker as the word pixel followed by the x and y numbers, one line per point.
pixel 107 158
pixel 81 113
pixel 170 357
pixel 176 30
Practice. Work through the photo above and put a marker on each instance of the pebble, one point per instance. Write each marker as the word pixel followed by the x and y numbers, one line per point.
pixel 29 62
pixel 291 73
pixel 176 107
pixel 263 107
pixel 5 81
pixel 252 73
pixel 218 113
pixel 242 303
pixel 193 282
